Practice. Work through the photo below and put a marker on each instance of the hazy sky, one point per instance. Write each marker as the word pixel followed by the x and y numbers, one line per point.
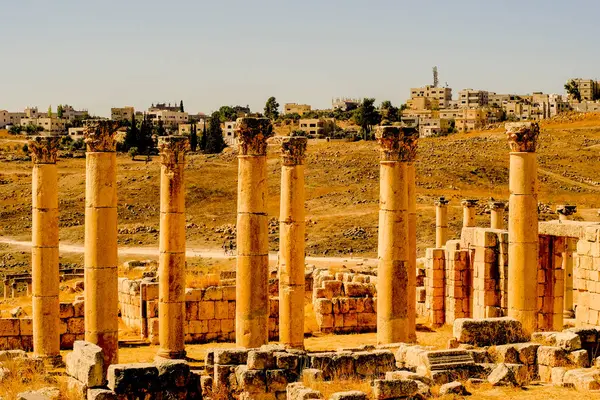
pixel 103 53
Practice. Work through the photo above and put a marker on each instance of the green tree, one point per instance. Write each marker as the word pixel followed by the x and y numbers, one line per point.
pixel 59 111
pixel 15 129
pixel 214 138
pixel 25 148
pixel 272 108
pixel 160 128
pixel 144 142
pixel 133 152
pixel 181 106
pixel 227 113
pixel 132 135
pixel 389 113
pixel 50 111
pixel 366 116
pixel 203 139
pixel 573 89
pixel 193 137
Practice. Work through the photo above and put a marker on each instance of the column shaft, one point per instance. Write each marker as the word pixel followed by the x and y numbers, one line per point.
pixel 441 223
pixel 412 251
pixel 171 271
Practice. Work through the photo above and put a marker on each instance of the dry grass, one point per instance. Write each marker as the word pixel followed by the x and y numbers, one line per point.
pixel 23 376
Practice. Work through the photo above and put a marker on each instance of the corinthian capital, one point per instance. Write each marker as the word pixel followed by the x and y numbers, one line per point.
pixel 252 134
pixel 522 136
pixel 397 143
pixel 99 136
pixel 293 149
pixel 44 149
pixel 172 150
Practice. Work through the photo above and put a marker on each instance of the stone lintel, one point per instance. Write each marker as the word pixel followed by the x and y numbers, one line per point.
pixel 566 209
pixel 252 134
pixel 397 143
pixel 293 149
pixel 44 149
pixel 99 135
pixel 522 136
pixel 469 203
pixel 574 229
pixel 442 202
pixel 172 150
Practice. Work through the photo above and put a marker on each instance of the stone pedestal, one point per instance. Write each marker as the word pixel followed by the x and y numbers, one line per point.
pixel 469 212
pixel 441 222
pixel 101 275
pixel 497 214
pixel 565 213
pixel 252 294
pixel 44 249
pixel 398 148
pixel 523 246
pixel 291 243
pixel 171 270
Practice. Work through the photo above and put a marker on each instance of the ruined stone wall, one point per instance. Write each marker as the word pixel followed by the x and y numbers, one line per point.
pixel 17 333
pixel 587 278
pixel 550 282
pixel 209 312
pixel 457 300
pixel 345 302
pixel 435 262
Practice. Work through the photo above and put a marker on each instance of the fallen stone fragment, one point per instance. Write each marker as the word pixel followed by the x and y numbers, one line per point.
pixel 454 388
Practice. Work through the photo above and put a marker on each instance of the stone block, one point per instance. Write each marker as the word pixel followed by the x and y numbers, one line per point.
pixel 505 353
pixel 132 378
pixel 489 331
pixel 66 310
pixel 252 381
pixel 323 306
pixel 9 326
pixel 8 355
pixel 453 388
pixel 350 395
pixel 557 375
pixel 552 356
pixel 206 310
pixel 278 379
pixel 583 379
pixel 312 375
pixel 446 359
pixel 221 309
pixel 285 360
pixel 509 375
pixel 297 391
pixel 230 356
pixel 47 393
pixel 261 359
pixel 395 375
pixel 354 289
pixel 26 326
pixel 228 293
pixel 213 293
pixel 78 308
pixel 101 394
pixel 579 358
pixel 86 364
pixel 392 389
pixel 173 374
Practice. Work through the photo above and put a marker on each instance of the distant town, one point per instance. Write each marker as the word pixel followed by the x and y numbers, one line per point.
pixel 431 108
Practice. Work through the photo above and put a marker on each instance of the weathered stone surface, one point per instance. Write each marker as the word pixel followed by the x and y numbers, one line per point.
pixel 132 378
pixel 173 373
pixel 252 381
pixel 579 358
pixel 86 364
pixel 101 394
pixel 444 376
pixel 312 375
pixel 446 359
pixel 261 359
pixel 12 354
pixel 396 375
pixel 297 391
pixel 48 393
pixel 285 360
pixel 455 387
pixel 558 374
pixel 391 389
pixel 552 356
pixel 569 341
pixel 583 379
pixel 350 395
pixel 489 331
pixel 509 375
pixel 230 356
pixel 505 353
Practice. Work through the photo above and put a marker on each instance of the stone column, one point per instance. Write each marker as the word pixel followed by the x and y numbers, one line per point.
pixel 44 249
pixel 291 243
pixel 497 214
pixel 6 288
pixel 252 271
pixel 171 270
pixel 565 213
pixel 441 222
pixel 100 262
pixel 412 251
pixel 398 148
pixel 523 239
pixel 469 212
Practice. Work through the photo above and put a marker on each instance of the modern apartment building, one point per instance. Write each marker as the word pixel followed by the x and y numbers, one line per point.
pixel 438 97
pixel 122 113
pixel 49 124
pixel 589 89
pixel 293 108
pixel 316 126
pixel 469 98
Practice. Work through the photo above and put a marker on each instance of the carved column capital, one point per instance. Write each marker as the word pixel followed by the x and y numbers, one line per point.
pixel 469 203
pixel 44 149
pixel 442 202
pixel 566 209
pixel 172 150
pixel 497 205
pixel 252 134
pixel 293 149
pixel 522 136
pixel 99 136
pixel 397 143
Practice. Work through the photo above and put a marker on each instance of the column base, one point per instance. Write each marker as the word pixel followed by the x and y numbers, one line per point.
pixel 51 361
pixel 568 314
pixel 171 355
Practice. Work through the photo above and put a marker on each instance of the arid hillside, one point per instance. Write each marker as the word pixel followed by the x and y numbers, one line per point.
pixel 342 188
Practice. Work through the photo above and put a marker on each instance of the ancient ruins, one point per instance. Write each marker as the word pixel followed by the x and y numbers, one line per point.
pixel 506 292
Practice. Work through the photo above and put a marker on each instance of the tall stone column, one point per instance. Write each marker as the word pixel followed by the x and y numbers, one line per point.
pixel 441 222
pixel 497 214
pixel 44 249
pixel 469 212
pixel 412 250
pixel 171 269
pixel 252 271
pixel 523 239
pixel 291 243
pixel 100 274
pixel 565 213
pixel 398 148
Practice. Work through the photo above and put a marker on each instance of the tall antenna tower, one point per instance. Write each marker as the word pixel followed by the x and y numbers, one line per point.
pixel 435 77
